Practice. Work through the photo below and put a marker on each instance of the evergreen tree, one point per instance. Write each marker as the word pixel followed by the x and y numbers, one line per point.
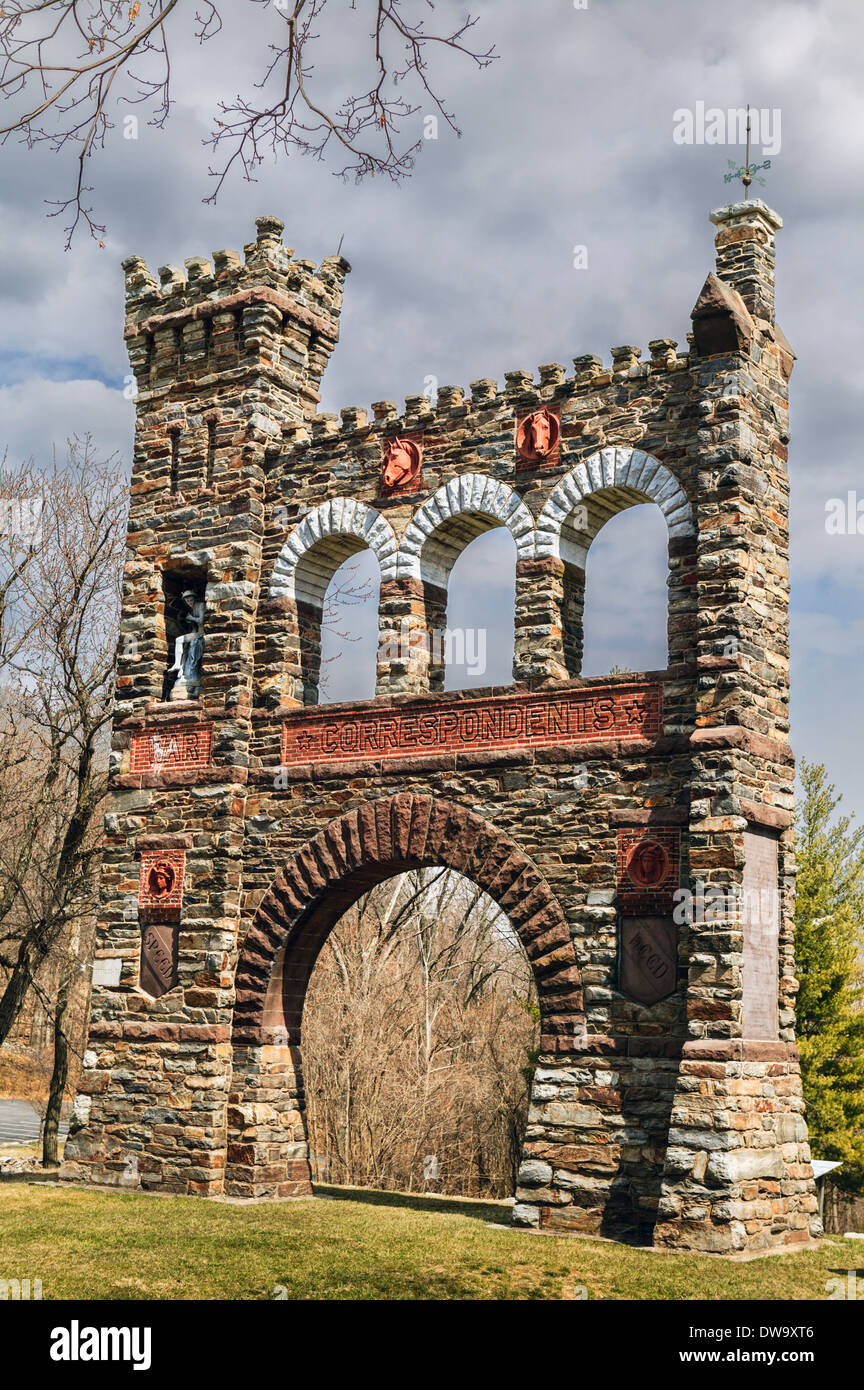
pixel 829 939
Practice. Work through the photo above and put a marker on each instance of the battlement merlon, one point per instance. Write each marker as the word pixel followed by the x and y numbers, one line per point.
pixel 733 312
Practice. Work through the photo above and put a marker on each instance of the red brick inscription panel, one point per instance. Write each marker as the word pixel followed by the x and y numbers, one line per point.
pixel 460 726
pixel 172 749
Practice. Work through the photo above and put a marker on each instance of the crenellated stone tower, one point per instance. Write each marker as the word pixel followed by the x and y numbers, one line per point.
pixel 636 829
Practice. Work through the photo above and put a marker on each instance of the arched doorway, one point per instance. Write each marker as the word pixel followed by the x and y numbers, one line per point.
pixel 267 1144
pixel 420 1042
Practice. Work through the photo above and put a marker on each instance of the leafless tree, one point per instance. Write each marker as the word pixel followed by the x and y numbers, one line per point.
pixel 61 586
pixel 67 66
pixel 418 1041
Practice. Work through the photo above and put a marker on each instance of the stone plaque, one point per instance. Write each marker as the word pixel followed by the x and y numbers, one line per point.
pixel 648 958
pixel 158 958
pixel 761 924
pixel 106 970
pixel 160 889
pixel 538 436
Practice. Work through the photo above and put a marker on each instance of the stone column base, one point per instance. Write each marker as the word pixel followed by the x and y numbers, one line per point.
pixel 268 1155
pixel 705 1151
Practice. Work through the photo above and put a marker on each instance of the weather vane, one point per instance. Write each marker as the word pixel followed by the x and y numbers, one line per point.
pixel 746 171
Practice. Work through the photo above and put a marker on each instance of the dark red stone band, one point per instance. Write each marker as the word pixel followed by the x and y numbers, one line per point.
pixel 524 720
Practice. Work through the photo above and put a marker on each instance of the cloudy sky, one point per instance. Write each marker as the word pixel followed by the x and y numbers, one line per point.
pixel 466 270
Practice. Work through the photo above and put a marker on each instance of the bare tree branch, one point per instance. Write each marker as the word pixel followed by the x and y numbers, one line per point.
pixel 66 66
pixel 56 688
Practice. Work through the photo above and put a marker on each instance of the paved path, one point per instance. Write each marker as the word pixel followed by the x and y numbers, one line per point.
pixel 19 1123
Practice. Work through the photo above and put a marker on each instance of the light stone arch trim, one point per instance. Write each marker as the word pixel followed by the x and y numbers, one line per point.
pixel 459 511
pixel 628 476
pixel 345 525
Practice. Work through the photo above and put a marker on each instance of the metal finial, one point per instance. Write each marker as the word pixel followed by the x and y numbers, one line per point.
pixel 746 171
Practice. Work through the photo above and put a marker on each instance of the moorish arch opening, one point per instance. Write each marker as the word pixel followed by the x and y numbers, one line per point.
pixel 333 577
pixel 481 609
pixel 459 514
pixel 625 613
pixel 379 854
pixel 349 631
pixel 330 565
pixel 596 492
pixel 461 593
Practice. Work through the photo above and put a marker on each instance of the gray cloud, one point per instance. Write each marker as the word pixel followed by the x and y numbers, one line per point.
pixel 466 270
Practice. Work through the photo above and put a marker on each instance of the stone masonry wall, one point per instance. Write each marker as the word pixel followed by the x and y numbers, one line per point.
pixel 584 807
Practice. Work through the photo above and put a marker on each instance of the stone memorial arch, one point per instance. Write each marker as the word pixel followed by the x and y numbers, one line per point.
pixel 636 829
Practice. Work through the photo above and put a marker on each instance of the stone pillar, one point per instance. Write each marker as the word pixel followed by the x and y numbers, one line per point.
pixel 268 1153
pixel 404 646
pixel 737 1174
pixel 572 619
pixel 745 252
pixel 231 345
pixel 538 653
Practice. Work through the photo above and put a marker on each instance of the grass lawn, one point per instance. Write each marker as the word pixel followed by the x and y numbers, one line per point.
pixel 96 1245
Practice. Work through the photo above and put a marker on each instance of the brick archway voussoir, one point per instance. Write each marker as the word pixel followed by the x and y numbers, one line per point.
pixel 509 871
pixel 436 834
pixel 524 906
pixel 349 828
pixel 421 812
pixel 333 851
pixel 384 830
pixel 401 814
pixel 400 831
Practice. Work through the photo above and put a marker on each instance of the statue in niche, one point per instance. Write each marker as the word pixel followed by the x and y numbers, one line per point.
pixel 538 435
pixel 401 465
pixel 188 650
